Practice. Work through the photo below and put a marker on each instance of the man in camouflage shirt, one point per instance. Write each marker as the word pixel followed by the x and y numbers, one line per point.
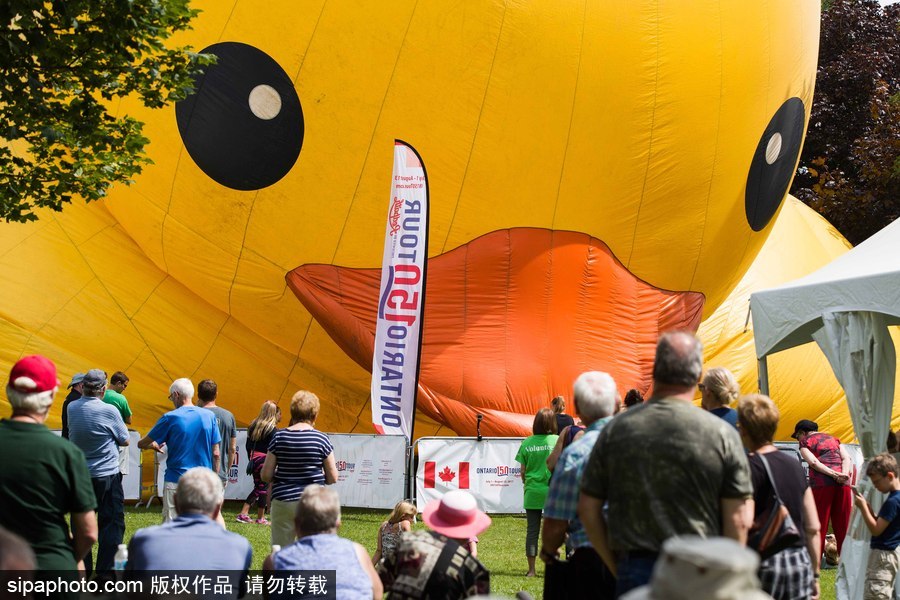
pixel 427 564
pixel 666 468
pixel 436 564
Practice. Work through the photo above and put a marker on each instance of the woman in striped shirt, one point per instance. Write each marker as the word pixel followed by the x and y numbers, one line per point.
pixel 298 456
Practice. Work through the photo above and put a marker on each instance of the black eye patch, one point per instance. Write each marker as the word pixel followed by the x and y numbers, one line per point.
pixel 243 125
pixel 773 163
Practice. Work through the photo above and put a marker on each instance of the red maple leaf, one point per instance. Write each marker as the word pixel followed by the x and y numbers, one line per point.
pixel 446 475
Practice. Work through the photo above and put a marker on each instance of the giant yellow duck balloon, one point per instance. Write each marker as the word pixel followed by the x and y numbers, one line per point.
pixel 599 172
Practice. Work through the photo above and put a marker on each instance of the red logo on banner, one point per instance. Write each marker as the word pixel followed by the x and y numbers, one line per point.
pixel 447 475
pixel 394 215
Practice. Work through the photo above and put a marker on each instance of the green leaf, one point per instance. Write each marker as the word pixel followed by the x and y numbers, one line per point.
pixel 67 56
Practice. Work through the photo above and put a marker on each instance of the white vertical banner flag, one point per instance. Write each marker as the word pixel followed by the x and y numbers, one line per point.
pixel 398 333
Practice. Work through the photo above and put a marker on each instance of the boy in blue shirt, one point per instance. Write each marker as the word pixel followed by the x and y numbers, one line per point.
pixel 884 558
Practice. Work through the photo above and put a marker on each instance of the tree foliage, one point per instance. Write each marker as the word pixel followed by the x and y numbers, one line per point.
pixel 850 166
pixel 63 64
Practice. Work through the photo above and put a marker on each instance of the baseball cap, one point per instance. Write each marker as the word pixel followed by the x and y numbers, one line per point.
pixel 33 375
pixel 94 378
pixel 76 379
pixel 804 426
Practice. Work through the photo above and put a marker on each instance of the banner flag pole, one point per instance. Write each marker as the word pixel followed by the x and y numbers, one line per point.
pixel 401 304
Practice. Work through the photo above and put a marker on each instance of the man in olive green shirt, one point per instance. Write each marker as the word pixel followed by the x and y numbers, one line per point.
pixel 666 468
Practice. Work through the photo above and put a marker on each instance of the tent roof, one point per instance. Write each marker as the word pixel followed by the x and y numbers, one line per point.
pixel 867 278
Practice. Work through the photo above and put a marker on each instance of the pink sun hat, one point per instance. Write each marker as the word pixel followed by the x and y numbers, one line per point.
pixel 456 515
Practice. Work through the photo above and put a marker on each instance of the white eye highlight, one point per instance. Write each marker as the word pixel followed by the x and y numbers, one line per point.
pixel 265 102
pixel 773 148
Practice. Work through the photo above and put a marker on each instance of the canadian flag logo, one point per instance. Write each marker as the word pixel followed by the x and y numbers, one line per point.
pixel 447 475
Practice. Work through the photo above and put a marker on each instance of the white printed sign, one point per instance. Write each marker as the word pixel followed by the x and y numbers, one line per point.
pixel 131 474
pixel 488 469
pixel 370 470
pixel 238 484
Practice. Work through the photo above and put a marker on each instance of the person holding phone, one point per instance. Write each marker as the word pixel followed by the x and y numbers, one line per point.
pixel 884 561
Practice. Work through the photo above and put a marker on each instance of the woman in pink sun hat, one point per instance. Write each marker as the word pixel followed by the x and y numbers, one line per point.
pixel 456 515
pixel 439 557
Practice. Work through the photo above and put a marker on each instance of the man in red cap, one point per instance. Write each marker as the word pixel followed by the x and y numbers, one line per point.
pixel 44 477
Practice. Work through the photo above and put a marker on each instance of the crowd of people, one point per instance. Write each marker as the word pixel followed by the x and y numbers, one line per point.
pixel 607 492
pixel 625 478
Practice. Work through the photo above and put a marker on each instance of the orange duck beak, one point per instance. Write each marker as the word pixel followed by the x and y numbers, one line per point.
pixel 510 320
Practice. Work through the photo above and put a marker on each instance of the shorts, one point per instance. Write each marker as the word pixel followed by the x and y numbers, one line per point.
pixel 282 516
pixel 168 509
pixel 881 571
pixel 787 574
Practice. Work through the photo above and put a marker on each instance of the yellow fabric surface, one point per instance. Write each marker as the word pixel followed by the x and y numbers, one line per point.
pixel 801 381
pixel 632 121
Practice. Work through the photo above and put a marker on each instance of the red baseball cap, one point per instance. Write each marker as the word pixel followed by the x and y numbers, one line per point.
pixel 33 375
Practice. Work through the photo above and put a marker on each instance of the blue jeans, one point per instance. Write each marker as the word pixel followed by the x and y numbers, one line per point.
pixel 110 522
pixel 634 570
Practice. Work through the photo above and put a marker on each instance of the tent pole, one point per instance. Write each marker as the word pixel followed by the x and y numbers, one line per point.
pixel 763 381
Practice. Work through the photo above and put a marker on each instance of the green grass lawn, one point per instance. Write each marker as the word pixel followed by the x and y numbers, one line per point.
pixel 501 548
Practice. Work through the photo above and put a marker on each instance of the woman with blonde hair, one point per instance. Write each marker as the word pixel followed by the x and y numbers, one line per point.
pixel 259 434
pixel 400 520
pixel 298 456
pixel 718 389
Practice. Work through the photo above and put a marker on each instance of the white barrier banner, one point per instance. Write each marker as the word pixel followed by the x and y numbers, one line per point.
pixel 856 456
pixel 239 483
pixel 488 469
pixel 131 470
pixel 370 470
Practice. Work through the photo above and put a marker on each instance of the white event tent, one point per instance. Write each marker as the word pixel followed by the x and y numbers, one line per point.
pixel 846 308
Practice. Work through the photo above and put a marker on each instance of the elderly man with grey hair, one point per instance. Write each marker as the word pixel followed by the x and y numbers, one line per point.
pixel 44 477
pixel 666 468
pixel 192 540
pixel 192 439
pixel 596 401
pixel 319 548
